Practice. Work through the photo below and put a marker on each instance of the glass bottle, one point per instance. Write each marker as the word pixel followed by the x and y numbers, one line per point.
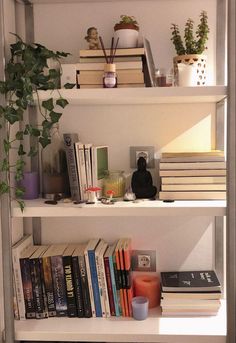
pixel 114 180
pixel 109 76
pixel 55 180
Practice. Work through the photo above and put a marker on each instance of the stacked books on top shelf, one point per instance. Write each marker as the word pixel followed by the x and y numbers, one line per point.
pixel 190 293
pixel 193 175
pixel 91 279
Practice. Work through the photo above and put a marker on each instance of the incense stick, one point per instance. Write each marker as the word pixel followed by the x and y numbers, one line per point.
pixel 111 50
pixel 104 51
pixel 115 50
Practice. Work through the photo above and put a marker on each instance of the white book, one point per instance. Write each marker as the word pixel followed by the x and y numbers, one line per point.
pixel 17 251
pixel 79 152
pixel 98 250
pixel 88 167
pixel 193 180
pixel 103 279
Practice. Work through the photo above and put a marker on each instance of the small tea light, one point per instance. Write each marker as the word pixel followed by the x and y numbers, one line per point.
pixel 140 308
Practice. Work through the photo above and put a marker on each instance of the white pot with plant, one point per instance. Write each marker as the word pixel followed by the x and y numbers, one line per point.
pixel 127 30
pixel 190 62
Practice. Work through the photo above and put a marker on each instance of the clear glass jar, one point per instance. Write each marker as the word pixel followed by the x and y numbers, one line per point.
pixel 114 180
pixel 55 180
pixel 109 76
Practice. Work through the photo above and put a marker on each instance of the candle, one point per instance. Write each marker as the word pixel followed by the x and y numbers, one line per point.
pixel 148 286
pixel 140 308
pixel 30 183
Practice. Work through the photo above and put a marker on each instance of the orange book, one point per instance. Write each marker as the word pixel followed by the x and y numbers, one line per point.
pixel 128 275
pixel 122 268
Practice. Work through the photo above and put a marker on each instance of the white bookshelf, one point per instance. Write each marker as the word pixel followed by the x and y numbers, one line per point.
pixel 155 328
pixel 37 208
pixel 135 96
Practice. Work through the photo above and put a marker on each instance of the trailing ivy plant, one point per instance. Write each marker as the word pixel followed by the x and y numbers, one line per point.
pixel 25 76
pixel 191 44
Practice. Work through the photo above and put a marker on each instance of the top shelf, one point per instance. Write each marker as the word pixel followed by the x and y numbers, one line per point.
pixel 152 95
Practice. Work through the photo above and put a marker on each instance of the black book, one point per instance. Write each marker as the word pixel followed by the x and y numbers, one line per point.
pixel 70 287
pixel 190 281
pixel 78 283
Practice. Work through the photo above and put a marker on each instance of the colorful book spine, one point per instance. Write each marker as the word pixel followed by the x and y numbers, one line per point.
pixel 94 278
pixel 48 284
pixel 109 286
pixel 70 289
pixel 115 292
pixel 119 285
pixel 78 287
pixel 59 285
pixel 84 285
pixel 90 287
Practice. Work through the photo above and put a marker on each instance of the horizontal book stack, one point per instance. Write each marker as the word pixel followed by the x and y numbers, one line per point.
pixel 129 68
pixel 193 176
pixel 90 279
pixel 87 165
pixel 190 293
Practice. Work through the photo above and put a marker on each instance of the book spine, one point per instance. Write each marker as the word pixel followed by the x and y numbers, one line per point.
pixel 27 288
pixel 118 283
pixel 85 288
pixel 101 293
pixel 15 304
pixel 114 289
pixel 78 287
pixel 69 140
pixel 87 153
pixel 43 287
pixel 70 289
pixel 59 285
pixel 48 284
pixel 37 288
pixel 83 172
pixel 94 278
pixel 90 287
pixel 109 286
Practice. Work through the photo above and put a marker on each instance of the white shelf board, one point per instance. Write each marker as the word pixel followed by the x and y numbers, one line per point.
pixel 206 329
pixel 148 95
pixel 37 208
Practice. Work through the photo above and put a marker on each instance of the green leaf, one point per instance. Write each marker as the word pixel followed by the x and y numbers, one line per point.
pixel 21 151
pixel 62 102
pixel 19 135
pixel 33 152
pixel 4 188
pixel 7 146
pixel 44 141
pixel 21 204
pixel 54 73
pixel 62 54
pixel 69 85
pixel 55 116
pixel 11 115
pixel 5 165
pixel 3 88
pixel 47 124
pixel 19 192
pixel 48 104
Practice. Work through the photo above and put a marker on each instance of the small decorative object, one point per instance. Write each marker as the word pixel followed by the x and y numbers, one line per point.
pixel 114 181
pixel 92 194
pixel 129 196
pixel 191 53
pixel 110 192
pixel 141 181
pixel 140 307
pixel 55 180
pixel 127 30
pixel 30 185
pixel 148 286
pixel 109 77
pixel 92 38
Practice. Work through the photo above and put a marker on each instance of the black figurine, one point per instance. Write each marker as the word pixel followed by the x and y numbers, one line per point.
pixel 141 181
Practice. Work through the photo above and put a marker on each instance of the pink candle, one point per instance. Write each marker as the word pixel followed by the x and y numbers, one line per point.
pixel 148 286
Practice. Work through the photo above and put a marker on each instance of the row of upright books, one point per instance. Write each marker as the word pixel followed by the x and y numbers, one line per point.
pixel 190 293
pixel 193 175
pixel 75 280
pixel 134 68
pixel 86 165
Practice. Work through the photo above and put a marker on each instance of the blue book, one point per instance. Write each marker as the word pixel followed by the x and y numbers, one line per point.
pixel 92 244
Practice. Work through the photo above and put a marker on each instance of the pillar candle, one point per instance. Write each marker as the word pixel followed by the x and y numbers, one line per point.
pixel 148 286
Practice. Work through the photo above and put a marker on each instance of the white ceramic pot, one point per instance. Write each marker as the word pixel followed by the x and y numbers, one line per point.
pixel 128 38
pixel 187 75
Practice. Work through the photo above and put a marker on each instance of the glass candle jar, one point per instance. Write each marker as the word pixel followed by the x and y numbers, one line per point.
pixel 114 181
pixel 109 76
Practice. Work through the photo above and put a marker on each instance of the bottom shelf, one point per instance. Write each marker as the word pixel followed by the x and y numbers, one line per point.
pixel 154 329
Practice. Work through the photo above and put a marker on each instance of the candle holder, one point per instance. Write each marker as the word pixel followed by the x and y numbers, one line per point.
pixel 140 308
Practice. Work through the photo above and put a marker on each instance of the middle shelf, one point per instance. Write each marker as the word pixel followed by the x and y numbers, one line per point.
pixel 37 208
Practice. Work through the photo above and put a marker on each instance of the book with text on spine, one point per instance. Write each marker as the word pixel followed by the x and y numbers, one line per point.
pixel 81 169
pixel 48 283
pixel 190 281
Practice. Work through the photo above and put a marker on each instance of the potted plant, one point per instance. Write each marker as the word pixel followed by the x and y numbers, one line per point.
pixel 190 50
pixel 27 72
pixel 127 30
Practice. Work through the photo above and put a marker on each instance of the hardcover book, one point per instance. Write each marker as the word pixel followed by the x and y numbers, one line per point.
pixel 30 311
pixel 70 287
pixel 17 250
pixel 81 170
pixel 102 283
pixel 69 140
pixel 110 278
pixel 37 283
pixel 190 281
pixel 119 52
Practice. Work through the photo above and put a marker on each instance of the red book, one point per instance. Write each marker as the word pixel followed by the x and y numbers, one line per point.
pixel 108 279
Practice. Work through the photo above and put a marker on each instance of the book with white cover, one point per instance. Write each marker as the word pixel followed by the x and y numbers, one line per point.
pixel 103 279
pixel 17 251
pixel 88 167
pixel 98 252
pixel 80 160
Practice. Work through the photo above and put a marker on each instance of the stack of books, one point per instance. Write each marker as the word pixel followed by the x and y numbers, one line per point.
pixel 91 279
pixel 193 176
pixel 190 293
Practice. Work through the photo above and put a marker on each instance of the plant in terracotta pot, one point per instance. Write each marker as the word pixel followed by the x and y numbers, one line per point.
pixel 190 49
pixel 127 30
